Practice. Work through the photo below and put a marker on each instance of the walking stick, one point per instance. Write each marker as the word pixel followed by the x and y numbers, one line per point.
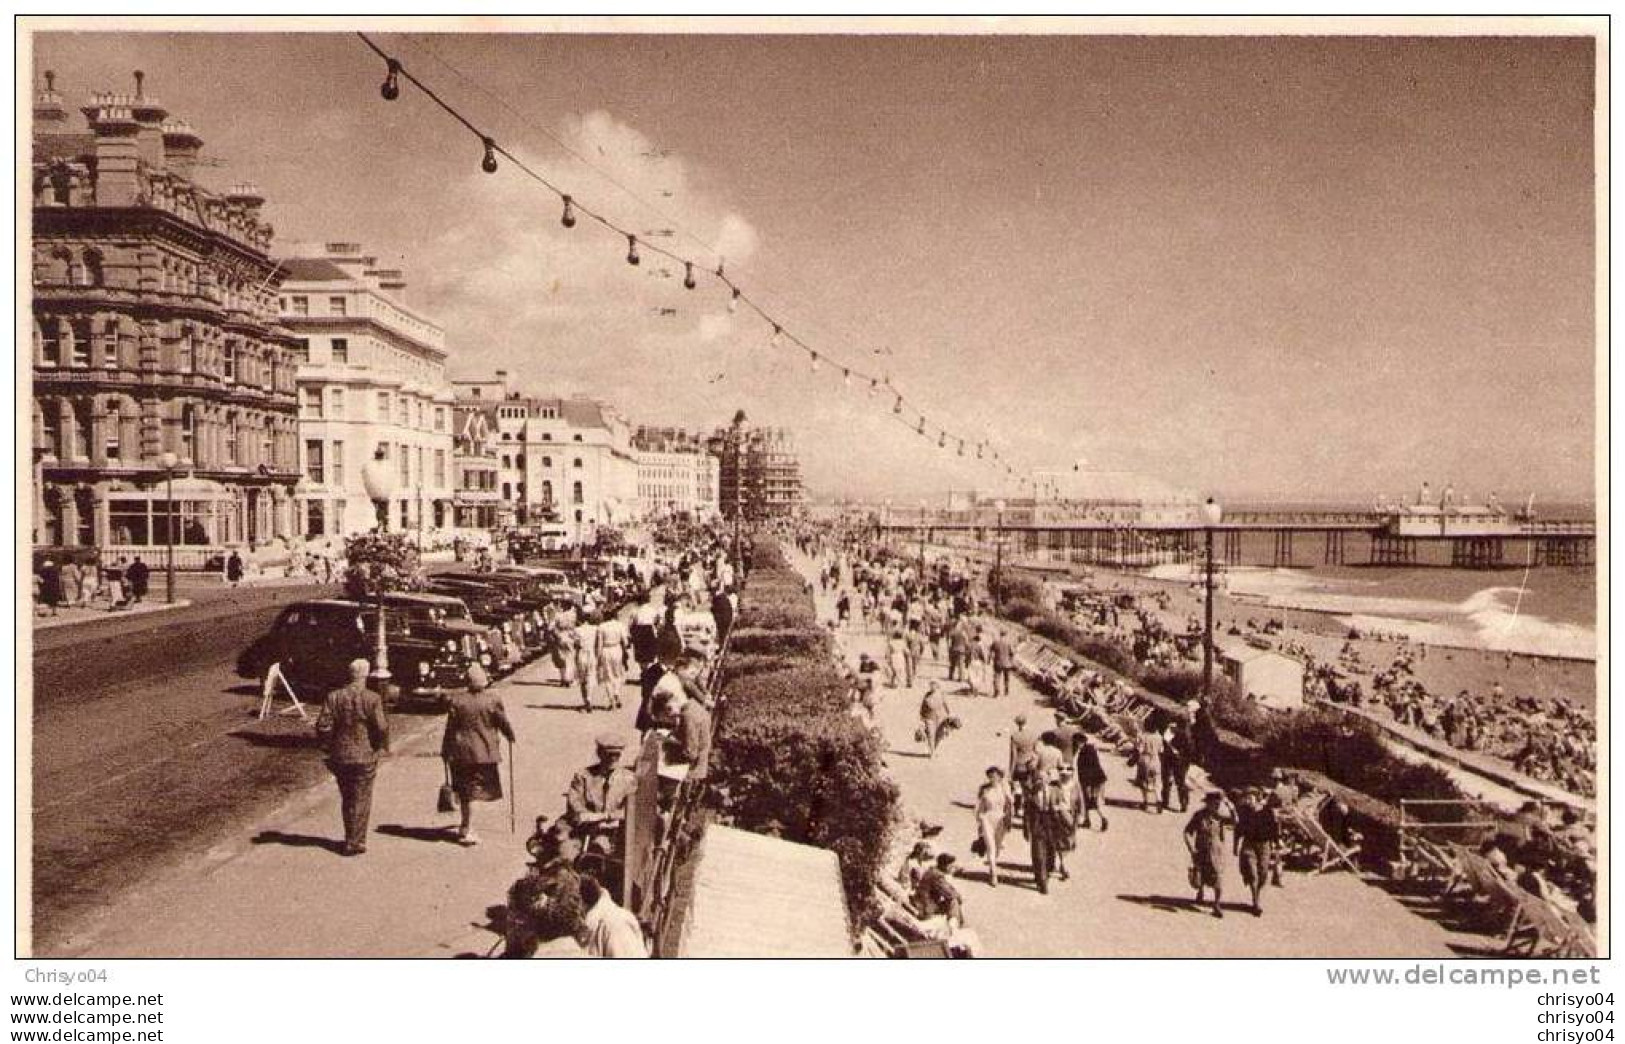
pixel 513 827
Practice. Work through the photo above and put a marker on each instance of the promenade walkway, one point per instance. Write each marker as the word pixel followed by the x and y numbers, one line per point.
pixel 278 888
pixel 1127 896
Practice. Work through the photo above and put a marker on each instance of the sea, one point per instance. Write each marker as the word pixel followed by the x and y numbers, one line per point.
pixel 1519 608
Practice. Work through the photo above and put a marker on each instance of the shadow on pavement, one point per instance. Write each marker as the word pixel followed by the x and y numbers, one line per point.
pixel 285 740
pixel 1177 904
pixel 910 754
pixel 447 835
pixel 278 837
pixel 559 706
pixel 1008 876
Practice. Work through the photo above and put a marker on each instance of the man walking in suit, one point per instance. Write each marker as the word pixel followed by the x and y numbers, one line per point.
pixel 353 728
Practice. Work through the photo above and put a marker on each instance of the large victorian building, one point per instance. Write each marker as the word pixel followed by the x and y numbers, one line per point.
pixel 563 463
pixel 759 473
pixel 156 348
pixel 372 375
pixel 677 474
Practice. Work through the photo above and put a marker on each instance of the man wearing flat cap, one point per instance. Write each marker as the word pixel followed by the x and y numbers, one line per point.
pixel 598 795
pixel 353 728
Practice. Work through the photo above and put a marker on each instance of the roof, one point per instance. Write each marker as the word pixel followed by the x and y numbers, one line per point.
pixel 49 147
pixel 755 896
pixel 312 270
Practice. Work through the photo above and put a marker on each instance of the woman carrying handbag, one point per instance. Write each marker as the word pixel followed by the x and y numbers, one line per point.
pixel 472 748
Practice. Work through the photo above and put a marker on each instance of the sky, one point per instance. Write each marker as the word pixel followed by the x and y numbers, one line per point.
pixel 1297 268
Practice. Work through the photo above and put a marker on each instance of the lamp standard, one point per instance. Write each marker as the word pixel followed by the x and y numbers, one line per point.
pixel 1211 514
pixel 378 478
pixel 998 556
pixel 169 460
pixel 737 439
pixel 922 540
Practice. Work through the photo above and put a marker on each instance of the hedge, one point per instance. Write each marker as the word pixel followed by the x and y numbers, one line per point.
pixel 791 761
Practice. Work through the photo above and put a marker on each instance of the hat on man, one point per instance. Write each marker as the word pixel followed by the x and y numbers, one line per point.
pixel 1212 797
pixel 609 741
pixel 477 678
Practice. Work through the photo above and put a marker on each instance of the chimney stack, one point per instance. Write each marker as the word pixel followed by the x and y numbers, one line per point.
pixel 181 147
pixel 118 154
pixel 50 115
pixel 149 116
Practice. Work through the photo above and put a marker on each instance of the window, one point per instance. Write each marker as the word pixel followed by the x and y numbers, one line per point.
pixel 229 354
pixel 507 460
pixel 341 347
pixel 547 491
pixel 231 438
pixel 335 306
pixel 80 331
pixel 439 418
pixel 547 462
pixel 301 348
pixel 578 514
pixel 578 437
pixel 337 411
pixel 575 493
pixel 188 432
pixel 337 464
pixel 310 403
pixel 301 305
pixel 50 429
pixel 547 436
pixel 314 470
pixel 383 406
pixel 507 491
pixel 519 461
pixel 110 344
pixel 405 459
pixel 110 441
pixel 439 467
pixel 578 462
pixel 403 407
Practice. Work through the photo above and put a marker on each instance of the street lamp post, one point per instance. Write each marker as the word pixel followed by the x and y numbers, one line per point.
pixel 1211 514
pixel 739 480
pixel 998 556
pixel 379 480
pixel 169 460
pixel 922 541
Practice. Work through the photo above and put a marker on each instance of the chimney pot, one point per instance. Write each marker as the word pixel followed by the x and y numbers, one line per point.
pixel 50 80
pixel 139 77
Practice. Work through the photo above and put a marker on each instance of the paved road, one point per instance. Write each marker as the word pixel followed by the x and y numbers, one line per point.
pixel 144 746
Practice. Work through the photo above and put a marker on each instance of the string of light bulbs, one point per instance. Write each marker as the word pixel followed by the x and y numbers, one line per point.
pixel 574 208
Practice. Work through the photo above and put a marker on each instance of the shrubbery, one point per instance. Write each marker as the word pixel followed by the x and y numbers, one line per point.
pixel 791 760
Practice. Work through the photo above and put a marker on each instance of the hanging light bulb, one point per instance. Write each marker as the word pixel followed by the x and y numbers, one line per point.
pixel 922 426
pixel 777 340
pixel 688 275
pixel 979 448
pixel 733 301
pixel 898 407
pixel 489 163
pixel 874 386
pixel 632 257
pixel 391 88
pixel 961 447
pixel 942 441
pixel 814 356
pixel 568 219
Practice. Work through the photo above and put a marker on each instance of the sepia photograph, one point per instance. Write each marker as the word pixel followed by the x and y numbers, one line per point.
pixel 831 488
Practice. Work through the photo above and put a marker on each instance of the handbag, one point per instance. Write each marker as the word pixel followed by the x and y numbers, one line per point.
pixel 1193 876
pixel 447 801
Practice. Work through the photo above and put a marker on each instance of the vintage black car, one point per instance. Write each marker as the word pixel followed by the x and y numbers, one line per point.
pixel 514 630
pixel 446 619
pixel 313 643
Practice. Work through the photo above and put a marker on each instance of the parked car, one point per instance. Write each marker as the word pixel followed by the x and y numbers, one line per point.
pixel 493 606
pixel 446 619
pixel 313 642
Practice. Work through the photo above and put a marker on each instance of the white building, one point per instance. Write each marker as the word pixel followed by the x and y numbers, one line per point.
pixel 373 374
pixel 566 461
pixel 677 482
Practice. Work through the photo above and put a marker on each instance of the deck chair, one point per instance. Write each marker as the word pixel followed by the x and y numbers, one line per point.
pixel 1582 941
pixel 1539 925
pixel 900 932
pixel 1437 861
pixel 1328 851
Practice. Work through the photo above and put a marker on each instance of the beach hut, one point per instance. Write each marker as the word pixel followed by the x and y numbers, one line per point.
pixel 1274 679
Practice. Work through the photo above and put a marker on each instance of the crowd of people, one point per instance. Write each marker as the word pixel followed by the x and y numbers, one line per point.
pixel 664 641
